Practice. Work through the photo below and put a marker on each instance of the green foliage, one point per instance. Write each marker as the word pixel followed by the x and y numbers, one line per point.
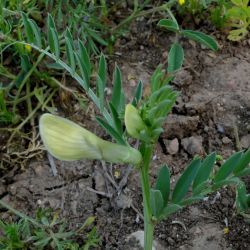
pixel 239 19
pixel 203 180
pixel 235 15
pixel 163 183
pixel 44 232
pixel 176 53
pixel 175 58
pixel 197 180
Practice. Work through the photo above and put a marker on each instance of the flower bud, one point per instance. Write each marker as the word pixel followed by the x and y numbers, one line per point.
pixel 68 141
pixel 133 121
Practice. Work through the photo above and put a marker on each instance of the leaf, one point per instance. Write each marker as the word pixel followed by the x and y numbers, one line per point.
pixel 169 24
pixel 117 89
pixel 54 42
pixel 28 28
pixel 100 92
pixel 70 53
pixel 53 37
pixel 116 119
pixel 163 183
pixel 200 37
pixel 201 188
pixel 244 172
pixel 175 58
pixel 228 181
pixel 236 35
pixel 111 131
pixel 138 94
pixel 241 197
pixel 191 200
pixel 240 2
pixel 243 163
pixel 160 94
pixel 83 71
pixel 228 167
pixel 170 209
pixel 204 170
pixel 50 22
pixel 156 202
pixel 85 58
pixel 102 69
pixel 37 34
pixel 182 185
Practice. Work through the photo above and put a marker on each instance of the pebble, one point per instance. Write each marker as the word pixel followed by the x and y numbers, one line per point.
pixel 226 140
pixel 245 141
pixel 173 147
pixel 193 145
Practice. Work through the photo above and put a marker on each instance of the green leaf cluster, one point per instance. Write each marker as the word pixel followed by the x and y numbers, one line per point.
pixel 46 231
pixel 198 180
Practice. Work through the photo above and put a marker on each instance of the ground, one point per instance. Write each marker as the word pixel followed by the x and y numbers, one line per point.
pixel 211 114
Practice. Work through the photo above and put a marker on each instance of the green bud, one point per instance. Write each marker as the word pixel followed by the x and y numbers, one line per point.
pixel 68 141
pixel 133 121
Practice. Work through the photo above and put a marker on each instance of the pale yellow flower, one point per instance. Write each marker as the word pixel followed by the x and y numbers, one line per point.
pixel 68 141
pixel 133 121
pixel 181 2
pixel 28 48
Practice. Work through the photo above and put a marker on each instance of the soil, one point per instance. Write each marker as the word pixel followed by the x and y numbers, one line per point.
pixel 211 114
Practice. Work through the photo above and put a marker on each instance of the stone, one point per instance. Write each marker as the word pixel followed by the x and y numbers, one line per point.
pixel 193 145
pixel 245 141
pixel 226 140
pixel 173 146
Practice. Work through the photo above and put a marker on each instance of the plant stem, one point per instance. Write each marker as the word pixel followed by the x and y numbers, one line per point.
pixel 146 151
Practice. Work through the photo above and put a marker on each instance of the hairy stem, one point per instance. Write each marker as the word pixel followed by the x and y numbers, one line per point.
pixel 146 151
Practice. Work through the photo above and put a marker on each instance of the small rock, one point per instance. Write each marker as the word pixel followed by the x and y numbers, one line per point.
pixel 135 241
pixel 226 140
pixel 193 145
pixel 245 141
pixel 173 147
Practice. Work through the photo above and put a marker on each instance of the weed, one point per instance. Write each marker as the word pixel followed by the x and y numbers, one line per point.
pixel 46 231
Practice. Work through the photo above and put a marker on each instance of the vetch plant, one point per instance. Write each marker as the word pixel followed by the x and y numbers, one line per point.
pixel 143 118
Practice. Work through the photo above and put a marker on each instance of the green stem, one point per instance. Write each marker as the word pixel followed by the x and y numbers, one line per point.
pixel 146 151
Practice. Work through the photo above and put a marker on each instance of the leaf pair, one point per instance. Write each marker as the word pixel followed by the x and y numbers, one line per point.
pixel 176 53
